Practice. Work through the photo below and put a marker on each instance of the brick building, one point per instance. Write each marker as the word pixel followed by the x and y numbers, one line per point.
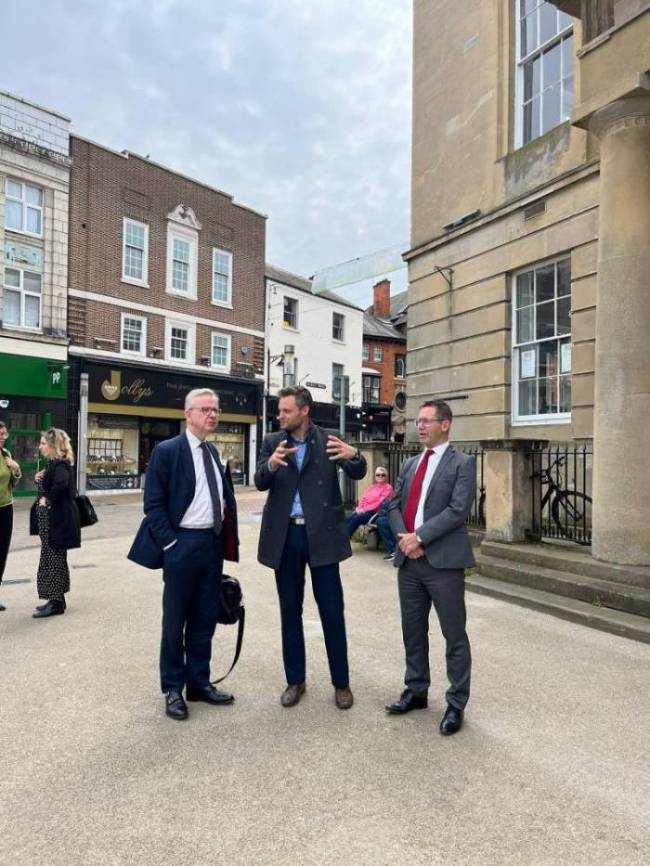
pixel 34 182
pixel 384 364
pixel 166 294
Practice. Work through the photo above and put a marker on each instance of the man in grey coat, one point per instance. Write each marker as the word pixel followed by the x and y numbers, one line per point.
pixel 304 524
pixel 433 496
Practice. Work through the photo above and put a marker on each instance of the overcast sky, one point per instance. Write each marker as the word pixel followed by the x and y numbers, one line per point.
pixel 298 108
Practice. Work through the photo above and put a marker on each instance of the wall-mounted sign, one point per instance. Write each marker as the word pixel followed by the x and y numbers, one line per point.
pixel 24 256
pixel 315 385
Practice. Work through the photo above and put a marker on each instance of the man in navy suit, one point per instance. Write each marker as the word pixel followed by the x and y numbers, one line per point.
pixel 190 527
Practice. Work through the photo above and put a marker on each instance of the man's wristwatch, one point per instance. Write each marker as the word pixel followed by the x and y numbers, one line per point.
pixel 418 539
pixel 357 455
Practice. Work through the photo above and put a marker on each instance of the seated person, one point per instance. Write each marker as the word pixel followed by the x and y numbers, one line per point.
pixel 371 501
pixel 386 535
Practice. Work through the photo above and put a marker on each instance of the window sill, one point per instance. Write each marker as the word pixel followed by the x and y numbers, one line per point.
pixel 290 328
pixel 220 369
pixel 131 281
pixel 24 328
pixel 185 295
pixel 226 306
pixel 186 362
pixel 541 420
pixel 131 354
pixel 24 234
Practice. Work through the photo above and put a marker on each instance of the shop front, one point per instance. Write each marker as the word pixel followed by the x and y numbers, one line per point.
pixel 131 410
pixel 32 399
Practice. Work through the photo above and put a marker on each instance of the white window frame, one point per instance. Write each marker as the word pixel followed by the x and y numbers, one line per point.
pixel 226 367
pixel 20 289
pixel 365 352
pixel 520 62
pixel 24 205
pixel 190 236
pixel 190 327
pixel 135 281
pixel 295 327
pixel 340 339
pixel 402 359
pixel 217 301
pixel 143 345
pixel 538 419
pixel 377 353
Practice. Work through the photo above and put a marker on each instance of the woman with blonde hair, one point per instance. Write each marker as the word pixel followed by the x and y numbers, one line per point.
pixel 55 518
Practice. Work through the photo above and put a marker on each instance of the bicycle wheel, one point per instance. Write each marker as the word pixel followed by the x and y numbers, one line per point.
pixel 571 513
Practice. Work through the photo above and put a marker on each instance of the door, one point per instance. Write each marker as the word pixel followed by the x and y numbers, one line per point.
pixel 24 436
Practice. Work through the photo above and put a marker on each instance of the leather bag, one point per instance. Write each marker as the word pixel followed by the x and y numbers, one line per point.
pixel 231 611
pixel 87 513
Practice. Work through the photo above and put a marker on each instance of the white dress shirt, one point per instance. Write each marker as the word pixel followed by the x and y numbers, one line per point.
pixel 435 458
pixel 199 514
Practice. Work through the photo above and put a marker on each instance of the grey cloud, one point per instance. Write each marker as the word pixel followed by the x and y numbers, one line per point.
pixel 299 110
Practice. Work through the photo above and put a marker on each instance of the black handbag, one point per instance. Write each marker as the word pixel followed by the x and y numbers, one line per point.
pixel 87 513
pixel 231 611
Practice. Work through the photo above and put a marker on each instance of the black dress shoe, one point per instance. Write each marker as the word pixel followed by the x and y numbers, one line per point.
pixel 53 607
pixel 210 695
pixel 408 701
pixel 45 604
pixel 175 706
pixel 452 721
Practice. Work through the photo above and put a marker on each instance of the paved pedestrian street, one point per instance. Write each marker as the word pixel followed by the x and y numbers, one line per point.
pixel 550 768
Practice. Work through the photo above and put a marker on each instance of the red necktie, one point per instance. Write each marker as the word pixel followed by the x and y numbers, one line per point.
pixel 416 491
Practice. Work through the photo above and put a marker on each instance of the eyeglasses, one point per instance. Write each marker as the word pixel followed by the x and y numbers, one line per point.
pixel 424 422
pixel 206 410
pixel 380 474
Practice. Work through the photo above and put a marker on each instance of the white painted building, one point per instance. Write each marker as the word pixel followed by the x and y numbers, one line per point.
pixel 311 339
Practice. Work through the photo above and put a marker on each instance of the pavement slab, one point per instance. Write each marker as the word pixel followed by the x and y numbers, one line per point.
pixel 551 766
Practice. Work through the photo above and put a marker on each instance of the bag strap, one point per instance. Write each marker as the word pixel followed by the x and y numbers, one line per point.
pixel 240 638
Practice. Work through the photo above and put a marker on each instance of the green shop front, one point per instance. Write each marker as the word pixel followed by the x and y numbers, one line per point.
pixel 33 395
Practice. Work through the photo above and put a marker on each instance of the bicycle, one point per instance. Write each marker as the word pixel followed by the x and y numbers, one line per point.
pixel 570 509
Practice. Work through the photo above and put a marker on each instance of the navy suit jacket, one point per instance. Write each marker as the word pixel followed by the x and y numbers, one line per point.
pixel 168 491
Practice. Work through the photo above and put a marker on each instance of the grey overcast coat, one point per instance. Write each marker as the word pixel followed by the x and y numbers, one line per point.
pixel 449 499
pixel 319 494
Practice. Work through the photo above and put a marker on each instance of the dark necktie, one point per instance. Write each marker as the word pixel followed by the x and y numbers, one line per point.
pixel 415 492
pixel 212 485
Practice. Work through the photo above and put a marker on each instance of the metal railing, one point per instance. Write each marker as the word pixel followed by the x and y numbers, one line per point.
pixel 398 453
pixel 561 490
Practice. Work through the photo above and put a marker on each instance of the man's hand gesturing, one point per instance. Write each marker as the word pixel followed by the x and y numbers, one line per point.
pixel 277 458
pixel 336 449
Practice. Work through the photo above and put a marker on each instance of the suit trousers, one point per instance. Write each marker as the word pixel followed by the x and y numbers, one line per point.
pixel 420 586
pixel 6 529
pixel 192 573
pixel 328 592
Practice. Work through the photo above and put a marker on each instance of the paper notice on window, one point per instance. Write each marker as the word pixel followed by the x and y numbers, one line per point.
pixel 565 358
pixel 528 364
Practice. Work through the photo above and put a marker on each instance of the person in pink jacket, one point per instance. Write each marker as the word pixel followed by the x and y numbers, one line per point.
pixel 369 504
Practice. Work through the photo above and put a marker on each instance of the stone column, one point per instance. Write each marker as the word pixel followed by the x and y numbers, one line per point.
pixel 621 488
pixel 508 490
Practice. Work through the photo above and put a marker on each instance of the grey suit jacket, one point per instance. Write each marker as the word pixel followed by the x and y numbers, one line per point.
pixel 447 505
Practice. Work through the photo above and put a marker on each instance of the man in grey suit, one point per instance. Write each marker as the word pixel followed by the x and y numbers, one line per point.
pixel 433 496
pixel 304 524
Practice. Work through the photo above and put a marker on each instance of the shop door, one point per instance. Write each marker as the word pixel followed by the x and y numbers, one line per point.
pixel 23 443
pixel 151 433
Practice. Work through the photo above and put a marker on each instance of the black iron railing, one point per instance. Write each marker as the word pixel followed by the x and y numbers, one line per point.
pixel 398 454
pixel 561 490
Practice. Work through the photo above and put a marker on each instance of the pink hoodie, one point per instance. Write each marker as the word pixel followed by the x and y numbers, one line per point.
pixel 374 496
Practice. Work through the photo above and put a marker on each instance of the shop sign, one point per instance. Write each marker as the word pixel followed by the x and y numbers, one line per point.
pixel 32 377
pixel 24 256
pixel 164 390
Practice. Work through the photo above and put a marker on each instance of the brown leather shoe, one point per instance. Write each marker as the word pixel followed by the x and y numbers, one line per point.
pixel 343 698
pixel 292 694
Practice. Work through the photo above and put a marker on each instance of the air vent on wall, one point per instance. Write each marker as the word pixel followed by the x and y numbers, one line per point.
pixel 539 207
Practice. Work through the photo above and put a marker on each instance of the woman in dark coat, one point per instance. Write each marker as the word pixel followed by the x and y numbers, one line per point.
pixel 57 519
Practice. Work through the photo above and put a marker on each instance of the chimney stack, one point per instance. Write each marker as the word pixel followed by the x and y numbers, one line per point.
pixel 381 299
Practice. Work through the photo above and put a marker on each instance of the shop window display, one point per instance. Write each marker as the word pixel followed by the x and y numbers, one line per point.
pixel 112 453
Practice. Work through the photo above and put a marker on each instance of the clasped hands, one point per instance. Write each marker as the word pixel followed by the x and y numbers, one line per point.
pixel 409 545
pixel 336 450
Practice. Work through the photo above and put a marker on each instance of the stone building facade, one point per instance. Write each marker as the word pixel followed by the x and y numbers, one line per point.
pixel 166 294
pixel 34 195
pixel 530 209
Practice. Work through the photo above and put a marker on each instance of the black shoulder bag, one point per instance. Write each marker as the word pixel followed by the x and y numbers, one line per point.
pixel 231 611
